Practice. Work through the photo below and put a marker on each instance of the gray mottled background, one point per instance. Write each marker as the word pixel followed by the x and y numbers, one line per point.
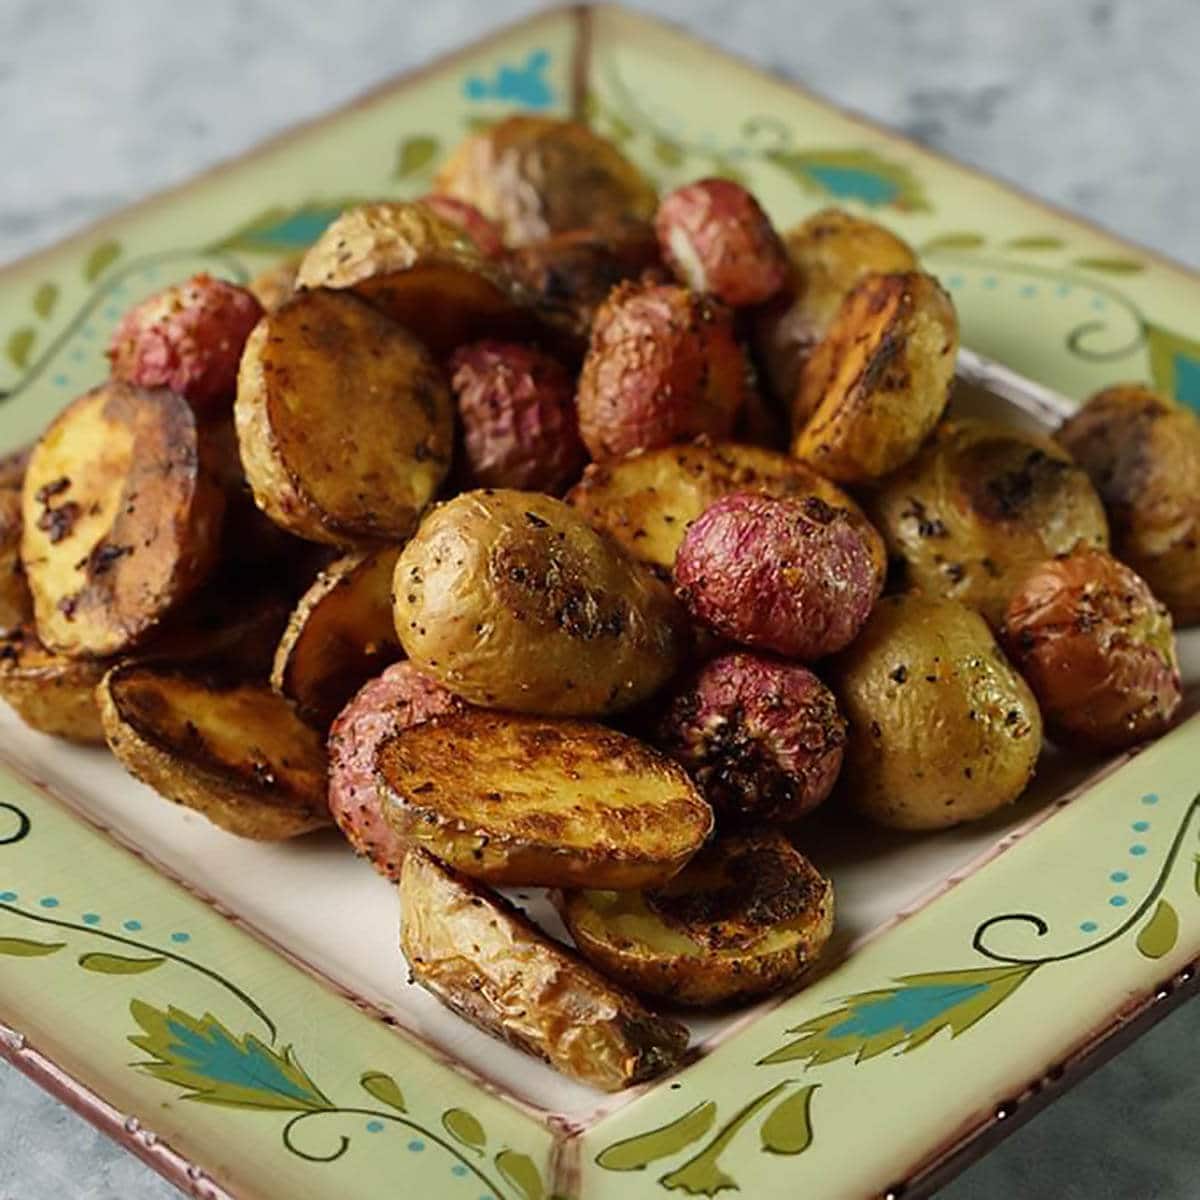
pixel 1091 103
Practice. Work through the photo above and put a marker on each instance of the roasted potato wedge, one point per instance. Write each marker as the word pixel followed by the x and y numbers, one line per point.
pixel 232 750
pixel 345 423
pixel 745 917
pixel 534 176
pixel 16 602
pixel 522 800
pixel 513 601
pixel 49 692
pixel 879 381
pixel 340 635
pixel 121 519
pixel 481 957
pixel 418 269
pixel 979 507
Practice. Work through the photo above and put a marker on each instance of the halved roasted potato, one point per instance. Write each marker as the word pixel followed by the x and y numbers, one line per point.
pixel 340 635
pixel 49 692
pixel 419 270
pixel 481 957
pixel 879 381
pixel 647 501
pixel 522 800
pixel 746 916
pixel 232 750
pixel 121 519
pixel 345 423
pixel 16 603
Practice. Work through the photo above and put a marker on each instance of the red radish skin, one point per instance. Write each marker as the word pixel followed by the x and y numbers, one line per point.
pixel 465 216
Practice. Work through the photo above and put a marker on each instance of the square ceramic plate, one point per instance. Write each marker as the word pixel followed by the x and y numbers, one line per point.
pixel 239 1014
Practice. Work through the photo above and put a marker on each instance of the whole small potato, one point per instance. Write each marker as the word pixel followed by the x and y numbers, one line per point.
pixel 187 338
pixel 942 729
pixel 467 218
pixel 511 600
pixel 1142 452
pixel 791 574
pixel 1098 650
pixel 763 738
pixel 717 239
pixel 663 366
pixel 516 406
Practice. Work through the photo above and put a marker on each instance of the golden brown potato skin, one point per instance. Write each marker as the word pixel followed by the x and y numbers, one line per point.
pixel 534 176
pixel 979 506
pixel 511 600
pixel 50 693
pixel 482 958
pixel 879 381
pixel 745 917
pixel 16 604
pixel 942 729
pixel 1098 650
pixel 1142 452
pixel 344 421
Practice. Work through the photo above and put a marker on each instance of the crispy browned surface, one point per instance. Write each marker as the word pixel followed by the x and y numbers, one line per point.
pixel 50 693
pixel 1142 452
pixel 16 603
pixel 525 800
pixel 483 959
pixel 513 601
pixel 276 284
pixel 878 382
pixel 980 506
pixel 534 176
pixel 942 729
pixel 418 269
pixel 121 519
pixel 344 421
pixel 746 916
pixel 13 466
pixel 647 501
pixel 340 635
pixel 234 751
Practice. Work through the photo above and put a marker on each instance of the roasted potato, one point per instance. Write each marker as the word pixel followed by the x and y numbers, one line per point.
pixel 513 601
pixel 761 737
pixel 16 603
pixel 345 423
pixel 276 284
pixel 516 408
pixel 121 519
pixel 647 501
pixel 419 270
pixel 717 239
pixel 979 506
pixel 942 729
pixel 13 466
pixel 399 698
pixel 49 692
pixel 534 176
pixel 879 381
pixel 1142 452
pixel 467 219
pixel 663 366
pixel 481 957
pixel 745 917
pixel 187 338
pixel 1098 650
pixel 829 254
pixel 524 800
pixel 232 750
pixel 340 635
pixel 790 574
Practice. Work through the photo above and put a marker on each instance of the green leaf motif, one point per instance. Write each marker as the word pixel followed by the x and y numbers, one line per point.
pixel 25 948
pixel 1035 242
pixel 860 175
pixel 902 1017
pixel 1161 932
pixel 279 230
pixel 521 1172
pixel 19 345
pixel 464 1127
pixel 119 964
pixel 1196 877
pixel 638 1152
pixel 1174 364
pixel 416 153
pixel 1111 266
pixel 384 1088
pixel 953 241
pixel 44 299
pixel 669 153
pixel 213 1066
pixel 788 1127
pixel 101 258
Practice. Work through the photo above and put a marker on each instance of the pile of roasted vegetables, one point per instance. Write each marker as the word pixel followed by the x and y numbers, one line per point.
pixel 541 533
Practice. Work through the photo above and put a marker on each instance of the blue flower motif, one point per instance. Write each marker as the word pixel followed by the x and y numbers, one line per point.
pixel 525 85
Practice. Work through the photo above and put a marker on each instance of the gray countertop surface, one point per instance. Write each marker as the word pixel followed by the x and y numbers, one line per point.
pixel 1090 103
